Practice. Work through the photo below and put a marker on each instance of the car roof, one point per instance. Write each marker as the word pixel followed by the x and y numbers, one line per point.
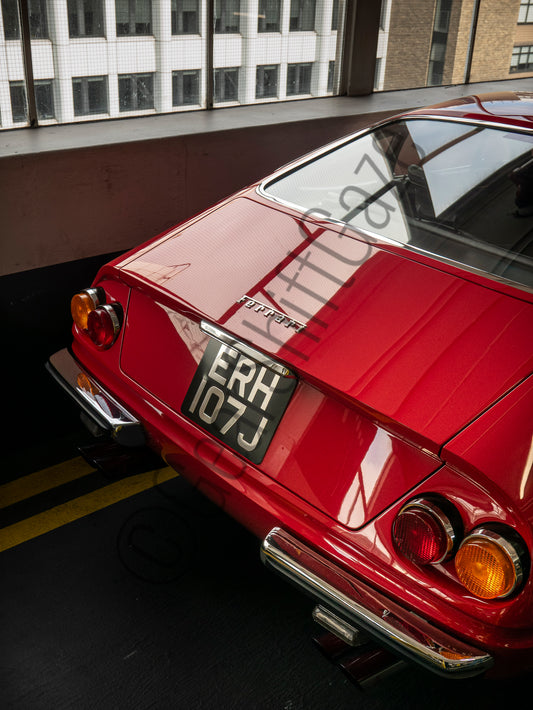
pixel 514 108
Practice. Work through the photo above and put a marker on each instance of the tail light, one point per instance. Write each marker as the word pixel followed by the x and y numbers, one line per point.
pixel 490 563
pixel 103 325
pixel 84 303
pixel 101 321
pixel 427 531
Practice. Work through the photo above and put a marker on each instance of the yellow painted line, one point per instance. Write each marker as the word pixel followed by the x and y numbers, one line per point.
pixel 41 481
pixel 80 507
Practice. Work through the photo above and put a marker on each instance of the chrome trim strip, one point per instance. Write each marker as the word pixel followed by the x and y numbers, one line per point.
pixel 215 332
pixel 96 403
pixel 399 630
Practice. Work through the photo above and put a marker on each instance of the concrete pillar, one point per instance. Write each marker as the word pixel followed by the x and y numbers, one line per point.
pixel 110 23
pixel 6 119
pixel 59 35
pixel 319 78
pixel 285 39
pixel 249 12
pixel 163 36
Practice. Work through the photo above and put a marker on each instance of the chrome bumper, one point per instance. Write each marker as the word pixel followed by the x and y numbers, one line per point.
pixel 101 408
pixel 401 631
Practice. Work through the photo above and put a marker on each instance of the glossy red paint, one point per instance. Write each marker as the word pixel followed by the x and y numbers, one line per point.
pixel 414 377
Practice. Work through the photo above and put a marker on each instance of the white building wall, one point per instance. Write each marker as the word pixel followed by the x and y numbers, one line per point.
pixel 62 58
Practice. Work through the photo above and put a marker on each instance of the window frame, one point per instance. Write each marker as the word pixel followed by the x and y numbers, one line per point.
pixel 518 50
pixel 177 14
pixel 299 68
pixel 261 70
pixel 181 74
pixel 79 16
pixel 132 23
pixel 135 79
pixel 528 14
pixel 225 73
pixel 85 94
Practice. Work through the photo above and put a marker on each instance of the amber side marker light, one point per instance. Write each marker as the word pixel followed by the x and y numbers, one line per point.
pixel 427 530
pixel 84 303
pixel 490 563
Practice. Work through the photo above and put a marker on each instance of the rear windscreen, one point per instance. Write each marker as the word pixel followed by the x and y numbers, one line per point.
pixel 459 191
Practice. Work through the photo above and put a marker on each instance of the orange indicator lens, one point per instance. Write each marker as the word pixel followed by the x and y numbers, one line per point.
pixel 485 568
pixel 81 305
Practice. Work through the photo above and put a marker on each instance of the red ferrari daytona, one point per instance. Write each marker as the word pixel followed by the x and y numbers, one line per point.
pixel 343 353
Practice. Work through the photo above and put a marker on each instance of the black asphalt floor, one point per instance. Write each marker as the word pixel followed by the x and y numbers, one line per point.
pixel 160 601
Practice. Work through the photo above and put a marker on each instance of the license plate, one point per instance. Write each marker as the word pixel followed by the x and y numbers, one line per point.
pixel 238 400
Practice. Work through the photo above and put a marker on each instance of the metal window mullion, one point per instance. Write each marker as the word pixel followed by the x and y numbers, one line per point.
pixel 24 16
pixel 209 69
pixel 471 42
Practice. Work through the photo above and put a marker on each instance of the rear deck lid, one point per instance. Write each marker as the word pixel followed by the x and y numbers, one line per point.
pixel 421 347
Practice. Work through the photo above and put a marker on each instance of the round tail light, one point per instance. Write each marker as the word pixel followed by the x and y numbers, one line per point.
pixel 84 303
pixel 489 564
pixel 424 532
pixel 103 325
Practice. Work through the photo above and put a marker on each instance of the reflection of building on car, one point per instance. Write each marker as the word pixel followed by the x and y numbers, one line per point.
pixel 343 354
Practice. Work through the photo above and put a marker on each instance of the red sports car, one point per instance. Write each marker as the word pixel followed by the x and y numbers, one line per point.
pixel 342 356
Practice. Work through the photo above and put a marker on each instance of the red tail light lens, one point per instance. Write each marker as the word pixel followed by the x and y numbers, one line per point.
pixel 103 325
pixel 424 533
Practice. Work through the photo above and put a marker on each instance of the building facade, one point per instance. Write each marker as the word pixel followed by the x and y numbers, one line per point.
pixel 97 59
pixel 109 58
pixel 450 41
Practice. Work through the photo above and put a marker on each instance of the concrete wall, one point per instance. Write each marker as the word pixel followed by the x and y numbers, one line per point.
pixel 73 204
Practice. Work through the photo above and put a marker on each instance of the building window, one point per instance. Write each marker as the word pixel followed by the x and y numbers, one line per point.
pixel 377 73
pixel 38 19
pixel 227 84
pixel 134 17
pixel 266 81
pixel 269 16
pixel 90 95
pixel 335 15
pixel 383 14
pixel 184 17
pixel 302 15
pixel 522 59
pixel 331 75
pixel 186 87
pixel 19 107
pixel 227 16
pixel 299 79
pixel 525 14
pixel 44 100
pixel 135 92
pixel 86 18
pixel 439 41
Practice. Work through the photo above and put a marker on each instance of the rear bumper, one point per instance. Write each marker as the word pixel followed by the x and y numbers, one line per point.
pixel 97 404
pixel 401 631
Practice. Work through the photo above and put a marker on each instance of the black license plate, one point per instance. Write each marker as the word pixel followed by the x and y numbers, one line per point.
pixel 238 400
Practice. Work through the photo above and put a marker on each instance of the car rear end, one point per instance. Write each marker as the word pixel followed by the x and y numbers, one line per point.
pixel 359 405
